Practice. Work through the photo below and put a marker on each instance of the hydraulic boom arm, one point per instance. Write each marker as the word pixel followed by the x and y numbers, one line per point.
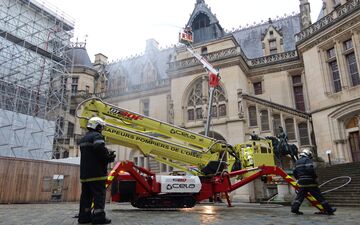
pixel 165 142
pixel 186 38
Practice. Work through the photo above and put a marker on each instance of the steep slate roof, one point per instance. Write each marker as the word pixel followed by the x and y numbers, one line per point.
pixel 80 57
pixel 214 31
pixel 201 7
pixel 250 38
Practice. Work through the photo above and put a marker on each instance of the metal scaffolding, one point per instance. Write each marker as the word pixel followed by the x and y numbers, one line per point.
pixel 34 72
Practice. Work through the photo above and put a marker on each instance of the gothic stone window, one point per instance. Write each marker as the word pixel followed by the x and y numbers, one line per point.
pixel 304 134
pixel 351 63
pixel 219 106
pixel 264 117
pixel 334 70
pixel 298 92
pixel 289 127
pixel 74 85
pixel 273 47
pixel 276 123
pixel 257 88
pixel 195 103
pixel 252 116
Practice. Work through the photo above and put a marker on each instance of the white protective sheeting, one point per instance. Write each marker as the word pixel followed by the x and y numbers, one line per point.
pixel 24 136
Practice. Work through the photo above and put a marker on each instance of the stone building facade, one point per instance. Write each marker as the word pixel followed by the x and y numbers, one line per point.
pixel 286 72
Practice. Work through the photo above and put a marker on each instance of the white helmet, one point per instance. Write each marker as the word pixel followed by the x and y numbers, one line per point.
pixel 96 123
pixel 307 153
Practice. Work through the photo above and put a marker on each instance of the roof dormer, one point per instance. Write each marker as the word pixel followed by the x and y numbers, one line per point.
pixel 272 40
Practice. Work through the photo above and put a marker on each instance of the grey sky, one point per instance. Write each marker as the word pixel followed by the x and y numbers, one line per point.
pixel 119 28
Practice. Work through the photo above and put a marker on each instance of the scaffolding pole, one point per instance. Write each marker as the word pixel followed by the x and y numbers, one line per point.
pixel 34 76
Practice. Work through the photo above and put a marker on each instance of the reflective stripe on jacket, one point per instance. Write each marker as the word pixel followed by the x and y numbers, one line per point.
pixel 304 172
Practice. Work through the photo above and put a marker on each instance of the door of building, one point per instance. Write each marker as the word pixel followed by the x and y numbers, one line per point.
pixel 354 139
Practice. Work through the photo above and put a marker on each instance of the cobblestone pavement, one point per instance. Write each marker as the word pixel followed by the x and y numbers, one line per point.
pixel 220 214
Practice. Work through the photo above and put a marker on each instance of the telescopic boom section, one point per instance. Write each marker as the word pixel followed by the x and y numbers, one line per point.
pixel 205 63
pixel 186 37
pixel 115 115
pixel 163 141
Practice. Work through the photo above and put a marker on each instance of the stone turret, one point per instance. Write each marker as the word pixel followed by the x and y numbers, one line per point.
pixel 305 14
pixel 204 24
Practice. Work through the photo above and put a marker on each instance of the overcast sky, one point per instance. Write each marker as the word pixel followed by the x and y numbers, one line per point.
pixel 120 28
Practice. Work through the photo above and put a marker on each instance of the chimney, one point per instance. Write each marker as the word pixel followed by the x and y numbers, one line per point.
pixel 151 46
pixel 305 16
pixel 100 59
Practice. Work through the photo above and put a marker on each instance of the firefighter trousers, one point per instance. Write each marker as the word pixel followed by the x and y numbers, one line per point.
pixel 92 191
pixel 316 193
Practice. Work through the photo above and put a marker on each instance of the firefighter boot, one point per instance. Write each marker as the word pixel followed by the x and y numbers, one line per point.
pixel 297 212
pixel 329 210
pixel 295 208
pixel 100 218
pixel 84 217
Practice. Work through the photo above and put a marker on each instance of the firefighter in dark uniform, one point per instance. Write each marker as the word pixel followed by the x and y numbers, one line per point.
pixel 93 173
pixel 305 174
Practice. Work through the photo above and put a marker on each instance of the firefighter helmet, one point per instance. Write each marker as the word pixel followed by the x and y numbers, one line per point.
pixel 307 153
pixel 96 123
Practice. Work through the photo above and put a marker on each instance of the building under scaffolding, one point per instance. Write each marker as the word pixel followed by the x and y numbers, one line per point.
pixel 34 71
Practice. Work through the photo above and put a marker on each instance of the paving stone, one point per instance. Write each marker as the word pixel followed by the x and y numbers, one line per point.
pixel 204 214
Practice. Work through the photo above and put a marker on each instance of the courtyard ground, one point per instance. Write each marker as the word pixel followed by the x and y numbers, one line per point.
pixel 209 214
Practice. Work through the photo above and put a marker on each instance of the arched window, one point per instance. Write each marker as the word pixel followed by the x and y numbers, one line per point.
pixel 252 116
pixel 304 134
pixel 264 117
pixel 289 127
pixel 276 123
pixel 219 104
pixel 195 103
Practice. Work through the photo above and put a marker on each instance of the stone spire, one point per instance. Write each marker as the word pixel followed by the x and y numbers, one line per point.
pixel 305 14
